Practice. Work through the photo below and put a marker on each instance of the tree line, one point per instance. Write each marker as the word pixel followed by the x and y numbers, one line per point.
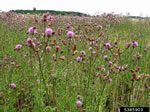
pixel 53 12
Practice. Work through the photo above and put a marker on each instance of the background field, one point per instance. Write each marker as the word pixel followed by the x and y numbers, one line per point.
pixel 54 80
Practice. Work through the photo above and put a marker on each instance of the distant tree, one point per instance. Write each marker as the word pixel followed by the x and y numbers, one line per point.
pixel 53 12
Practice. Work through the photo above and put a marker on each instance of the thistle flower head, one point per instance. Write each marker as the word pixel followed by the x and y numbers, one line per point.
pixel 32 30
pixel 29 41
pixel 38 81
pixel 99 27
pixel 135 44
pixel 70 34
pixel 48 48
pixel 79 59
pixel 108 45
pixel 78 96
pixel 83 53
pixel 90 48
pixel 103 69
pixel 78 103
pixel 18 47
pixel 13 85
pixel 48 31
pixel 57 48
pixel 105 57
pixel 110 63
pixel 50 17
pixel 94 52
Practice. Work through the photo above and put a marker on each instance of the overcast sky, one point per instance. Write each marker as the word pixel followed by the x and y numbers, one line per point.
pixel 134 7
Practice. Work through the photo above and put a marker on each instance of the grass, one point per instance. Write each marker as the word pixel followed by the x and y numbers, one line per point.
pixel 63 78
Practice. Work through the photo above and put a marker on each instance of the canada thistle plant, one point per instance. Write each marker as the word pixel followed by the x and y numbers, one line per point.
pixel 75 64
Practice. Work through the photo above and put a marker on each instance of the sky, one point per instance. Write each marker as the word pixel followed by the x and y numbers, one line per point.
pixel 92 7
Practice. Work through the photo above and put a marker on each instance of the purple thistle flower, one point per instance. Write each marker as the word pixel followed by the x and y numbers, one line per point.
pixel 18 47
pixel 32 30
pixel 49 31
pixel 38 81
pixel 33 44
pixel 70 34
pixel 94 52
pixel 50 17
pixel 29 41
pixel 103 69
pixel 100 27
pixel 108 45
pixel 13 63
pixel 79 59
pixel 105 57
pixel 78 103
pixel 110 80
pixel 110 63
pixel 48 48
pixel 83 53
pixel 57 48
pixel 90 48
pixel 135 44
pixel 13 85
pixel 121 68
pixel 78 96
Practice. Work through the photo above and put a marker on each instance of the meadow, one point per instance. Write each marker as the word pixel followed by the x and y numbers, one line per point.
pixel 73 64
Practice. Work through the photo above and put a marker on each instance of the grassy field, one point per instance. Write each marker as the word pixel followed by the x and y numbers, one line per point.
pixel 73 64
